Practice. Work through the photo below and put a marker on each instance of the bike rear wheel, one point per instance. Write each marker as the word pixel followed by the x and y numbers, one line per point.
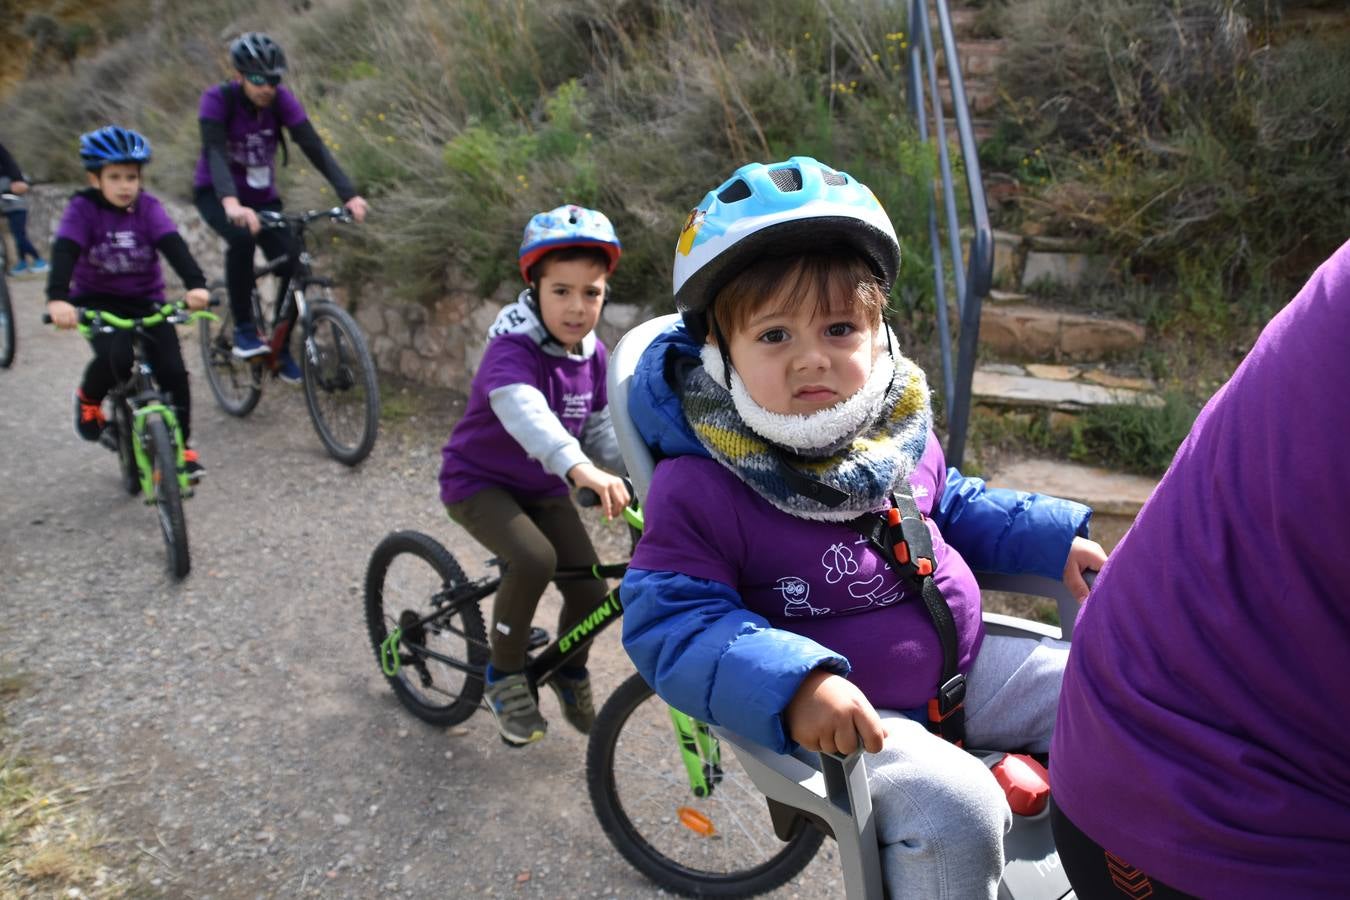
pixel 7 335
pixel 409 577
pixel 124 435
pixel 340 385
pixel 237 383
pixel 721 845
pixel 163 455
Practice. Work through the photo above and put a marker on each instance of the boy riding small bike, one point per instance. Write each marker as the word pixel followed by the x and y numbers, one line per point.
pixel 241 122
pixel 537 415
pixel 106 257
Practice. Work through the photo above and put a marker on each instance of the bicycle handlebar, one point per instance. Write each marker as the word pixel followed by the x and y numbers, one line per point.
pixel 271 219
pixel 106 322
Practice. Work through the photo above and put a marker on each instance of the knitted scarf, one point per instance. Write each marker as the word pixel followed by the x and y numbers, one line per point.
pixel 864 446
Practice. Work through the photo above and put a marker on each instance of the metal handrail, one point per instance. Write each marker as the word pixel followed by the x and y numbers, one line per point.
pixel 972 283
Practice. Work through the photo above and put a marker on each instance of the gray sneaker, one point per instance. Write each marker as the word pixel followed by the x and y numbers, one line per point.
pixel 574 696
pixel 513 706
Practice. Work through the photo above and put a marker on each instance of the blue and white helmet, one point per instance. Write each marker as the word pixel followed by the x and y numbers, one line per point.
pixel 112 144
pixel 567 226
pixel 775 210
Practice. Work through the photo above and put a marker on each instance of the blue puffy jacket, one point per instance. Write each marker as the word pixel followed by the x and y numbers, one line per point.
pixel 703 652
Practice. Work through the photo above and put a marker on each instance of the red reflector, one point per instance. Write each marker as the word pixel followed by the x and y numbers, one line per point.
pixel 696 821
pixel 901 550
pixel 1025 783
pixel 924 566
pixel 892 516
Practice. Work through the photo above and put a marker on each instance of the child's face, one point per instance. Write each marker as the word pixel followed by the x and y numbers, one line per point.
pixel 570 297
pixel 802 360
pixel 120 183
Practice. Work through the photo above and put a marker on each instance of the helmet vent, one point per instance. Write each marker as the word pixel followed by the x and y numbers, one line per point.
pixel 738 190
pixel 833 179
pixel 786 180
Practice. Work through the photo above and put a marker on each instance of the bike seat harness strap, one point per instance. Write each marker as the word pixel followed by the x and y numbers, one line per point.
pixel 901 537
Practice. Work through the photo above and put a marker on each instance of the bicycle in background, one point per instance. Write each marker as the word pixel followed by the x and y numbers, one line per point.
pixel 338 374
pixel 144 431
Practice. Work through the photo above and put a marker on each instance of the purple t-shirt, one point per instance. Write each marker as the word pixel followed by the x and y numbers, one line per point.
pixel 481 453
pixel 818 579
pixel 251 139
pixel 117 247
pixel 1203 733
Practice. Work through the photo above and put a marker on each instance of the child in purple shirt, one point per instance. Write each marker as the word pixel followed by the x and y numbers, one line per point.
pixel 806 560
pixel 106 257
pixel 537 405
pixel 241 124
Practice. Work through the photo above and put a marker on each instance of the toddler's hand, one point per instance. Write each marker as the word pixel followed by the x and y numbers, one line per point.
pixel 197 298
pixel 828 714
pixel 1084 555
pixel 63 314
pixel 611 489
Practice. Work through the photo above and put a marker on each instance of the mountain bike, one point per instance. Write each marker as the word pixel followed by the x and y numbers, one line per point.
pixel 144 430
pixel 674 801
pixel 338 373
pixel 7 336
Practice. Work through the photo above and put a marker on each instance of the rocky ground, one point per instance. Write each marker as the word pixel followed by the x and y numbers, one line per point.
pixel 234 728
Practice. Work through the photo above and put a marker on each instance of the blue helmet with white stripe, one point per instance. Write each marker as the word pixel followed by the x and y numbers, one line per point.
pixel 778 209
pixel 112 144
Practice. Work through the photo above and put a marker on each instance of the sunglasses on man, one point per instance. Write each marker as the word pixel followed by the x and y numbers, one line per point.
pixel 260 80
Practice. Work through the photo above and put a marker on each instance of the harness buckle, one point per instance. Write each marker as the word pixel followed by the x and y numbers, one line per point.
pixel 947 711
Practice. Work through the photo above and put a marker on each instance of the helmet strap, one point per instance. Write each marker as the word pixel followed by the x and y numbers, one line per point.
pixel 723 347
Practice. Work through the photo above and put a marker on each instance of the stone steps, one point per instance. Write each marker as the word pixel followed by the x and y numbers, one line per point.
pixel 1006 386
pixel 1115 497
pixel 1024 332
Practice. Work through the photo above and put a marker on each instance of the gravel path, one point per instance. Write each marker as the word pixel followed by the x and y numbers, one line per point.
pixel 235 725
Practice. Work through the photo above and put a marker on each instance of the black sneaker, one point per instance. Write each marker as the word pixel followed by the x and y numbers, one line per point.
pixel 89 418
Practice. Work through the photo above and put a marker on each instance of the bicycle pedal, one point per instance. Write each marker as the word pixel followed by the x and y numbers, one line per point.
pixel 538 638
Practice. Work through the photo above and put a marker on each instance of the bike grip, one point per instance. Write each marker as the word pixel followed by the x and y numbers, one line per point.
pixel 46 318
pixel 587 497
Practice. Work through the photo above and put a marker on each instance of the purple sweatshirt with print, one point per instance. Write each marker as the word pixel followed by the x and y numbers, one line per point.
pixel 481 453
pixel 117 247
pixel 251 139
pixel 817 579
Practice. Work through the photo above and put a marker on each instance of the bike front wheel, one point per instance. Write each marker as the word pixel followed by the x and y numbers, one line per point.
pixel 720 845
pixel 162 452
pixel 237 383
pixel 340 385
pixel 437 666
pixel 7 335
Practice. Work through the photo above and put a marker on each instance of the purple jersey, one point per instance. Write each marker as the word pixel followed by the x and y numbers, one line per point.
pixel 481 453
pixel 818 579
pixel 117 246
pixel 251 138
pixel 1202 732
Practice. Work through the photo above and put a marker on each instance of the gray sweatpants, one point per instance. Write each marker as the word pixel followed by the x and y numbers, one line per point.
pixel 940 815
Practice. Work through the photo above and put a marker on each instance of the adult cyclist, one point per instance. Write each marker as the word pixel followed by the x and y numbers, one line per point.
pixel 241 126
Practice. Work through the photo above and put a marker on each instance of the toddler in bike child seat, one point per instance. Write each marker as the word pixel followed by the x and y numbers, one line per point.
pixel 537 415
pixel 801 524
pixel 105 258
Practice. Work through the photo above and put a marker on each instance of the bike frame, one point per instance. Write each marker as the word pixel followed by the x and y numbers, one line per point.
pixel 294 298
pixel 141 395
pixel 699 747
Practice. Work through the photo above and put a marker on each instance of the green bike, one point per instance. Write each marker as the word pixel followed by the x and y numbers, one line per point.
pixel 144 430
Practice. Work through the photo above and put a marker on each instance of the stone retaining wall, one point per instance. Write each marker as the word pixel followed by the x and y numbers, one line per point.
pixel 438 345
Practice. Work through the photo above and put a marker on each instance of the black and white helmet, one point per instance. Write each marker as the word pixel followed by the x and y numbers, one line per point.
pixel 255 53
